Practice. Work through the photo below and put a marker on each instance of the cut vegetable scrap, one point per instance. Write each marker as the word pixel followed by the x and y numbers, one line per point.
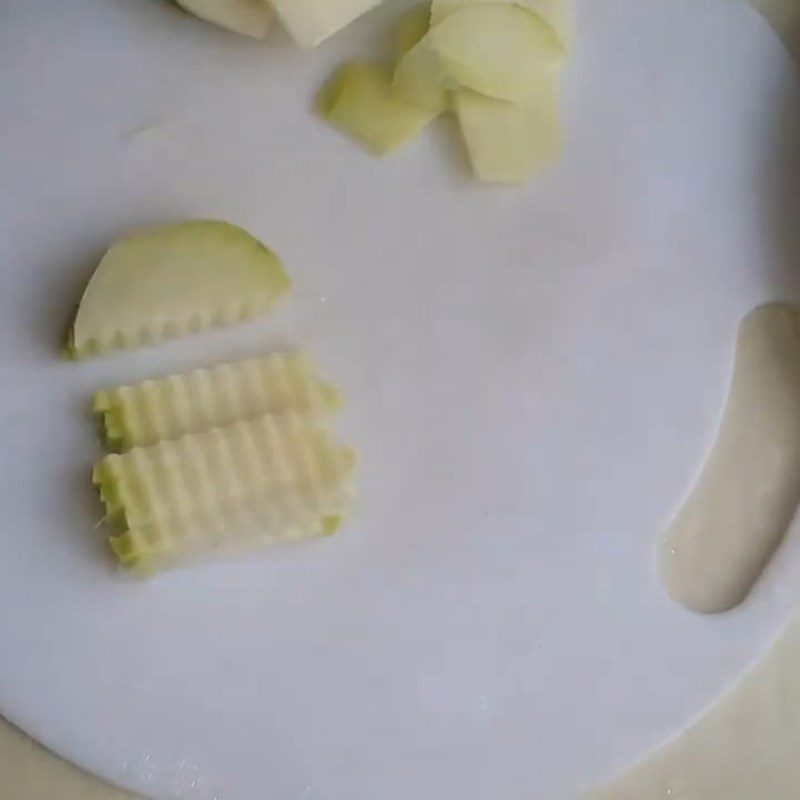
pixel 274 478
pixel 175 478
pixel 172 280
pixel 167 408
pixel 421 79
pixel 498 50
pixel 558 14
pixel 411 29
pixel 506 142
pixel 495 63
pixel 359 101
pixel 310 22
pixel 251 18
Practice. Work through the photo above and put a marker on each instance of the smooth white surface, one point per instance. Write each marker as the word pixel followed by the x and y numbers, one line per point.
pixel 533 377
pixel 745 748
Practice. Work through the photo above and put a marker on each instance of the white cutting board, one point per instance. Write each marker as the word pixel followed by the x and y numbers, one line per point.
pixel 532 376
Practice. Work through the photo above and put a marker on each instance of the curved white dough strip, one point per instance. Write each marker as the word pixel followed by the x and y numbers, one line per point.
pixel 748 492
pixel 747 747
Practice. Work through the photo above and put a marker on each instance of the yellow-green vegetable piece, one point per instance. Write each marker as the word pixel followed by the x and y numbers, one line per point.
pixel 411 29
pixel 273 478
pixel 201 472
pixel 251 18
pixel 420 78
pixel 309 22
pixel 359 102
pixel 507 142
pixel 167 408
pixel 171 280
pixel 148 550
pixel 496 49
pixel 559 14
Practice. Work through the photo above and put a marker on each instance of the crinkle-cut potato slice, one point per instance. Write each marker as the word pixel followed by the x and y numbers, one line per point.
pixel 167 408
pixel 151 549
pixel 276 477
pixel 310 22
pixel 258 521
pixel 496 49
pixel 172 280
pixel 559 14
pixel 251 18
pixel 359 101
pixel 508 142
pixel 411 29
pixel 174 478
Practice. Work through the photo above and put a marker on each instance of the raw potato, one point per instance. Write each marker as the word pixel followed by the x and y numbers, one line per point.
pixel 411 29
pixel 167 408
pixel 749 490
pixel 496 64
pixel 498 50
pixel 310 22
pixel 559 14
pixel 172 280
pixel 359 101
pixel 251 18
pixel 274 478
pixel 506 142
pixel 420 78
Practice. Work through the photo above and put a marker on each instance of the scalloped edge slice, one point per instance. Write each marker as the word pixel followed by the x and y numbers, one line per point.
pixel 145 413
pixel 199 473
pixel 137 551
pixel 172 280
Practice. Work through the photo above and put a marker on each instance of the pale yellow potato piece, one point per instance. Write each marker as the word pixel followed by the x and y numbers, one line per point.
pixel 784 16
pixel 310 22
pixel 559 14
pixel 145 413
pixel 359 101
pixel 498 50
pixel 32 773
pixel 172 280
pixel 420 78
pixel 411 29
pixel 251 18
pixel 507 142
pixel 273 478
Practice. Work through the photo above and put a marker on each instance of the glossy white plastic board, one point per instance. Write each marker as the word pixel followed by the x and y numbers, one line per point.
pixel 533 378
